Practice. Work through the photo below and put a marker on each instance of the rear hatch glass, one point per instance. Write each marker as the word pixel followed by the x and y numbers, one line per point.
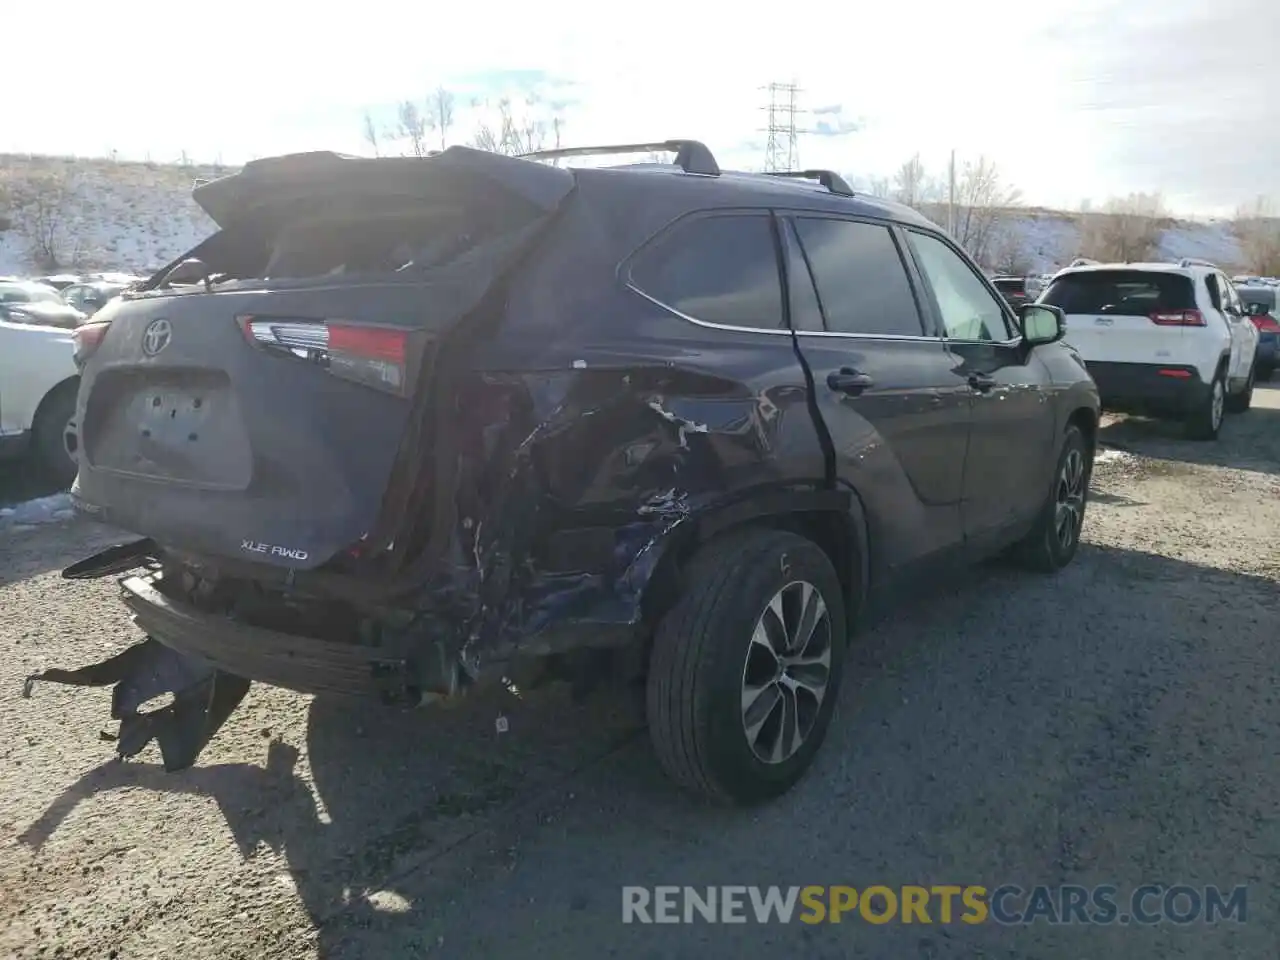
pixel 1125 293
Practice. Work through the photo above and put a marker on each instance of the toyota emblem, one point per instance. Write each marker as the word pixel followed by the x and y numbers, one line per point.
pixel 156 337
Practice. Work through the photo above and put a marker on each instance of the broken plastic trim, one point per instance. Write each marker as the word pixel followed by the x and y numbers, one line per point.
pixel 203 698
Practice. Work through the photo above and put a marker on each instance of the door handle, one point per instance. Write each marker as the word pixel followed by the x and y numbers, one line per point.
pixel 849 381
pixel 982 382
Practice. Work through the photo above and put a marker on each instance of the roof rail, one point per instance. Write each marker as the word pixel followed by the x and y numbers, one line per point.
pixel 828 178
pixel 1196 262
pixel 1084 262
pixel 692 156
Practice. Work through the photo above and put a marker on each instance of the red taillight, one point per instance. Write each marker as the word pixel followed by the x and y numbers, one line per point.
pixel 1176 374
pixel 371 343
pixel 88 337
pixel 1266 324
pixel 1178 318
pixel 375 356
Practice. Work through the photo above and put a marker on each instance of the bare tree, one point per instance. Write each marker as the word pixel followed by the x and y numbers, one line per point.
pixel 411 126
pixel 983 199
pixel 912 185
pixel 880 187
pixel 1009 254
pixel 440 115
pixel 44 208
pixel 1126 229
pixel 523 130
pixel 371 134
pixel 1258 229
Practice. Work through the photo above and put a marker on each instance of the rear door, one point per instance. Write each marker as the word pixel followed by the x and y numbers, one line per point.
pixel 895 407
pixel 1124 316
pixel 1013 436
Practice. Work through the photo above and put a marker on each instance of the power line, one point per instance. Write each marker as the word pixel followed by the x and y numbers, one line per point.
pixel 782 149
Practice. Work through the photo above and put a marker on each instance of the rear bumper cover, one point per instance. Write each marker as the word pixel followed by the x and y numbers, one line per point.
pixel 1146 387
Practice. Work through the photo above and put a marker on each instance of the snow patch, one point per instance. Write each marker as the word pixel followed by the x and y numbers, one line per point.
pixel 34 513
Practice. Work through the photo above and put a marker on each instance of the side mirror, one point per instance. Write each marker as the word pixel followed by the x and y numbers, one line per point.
pixel 1040 323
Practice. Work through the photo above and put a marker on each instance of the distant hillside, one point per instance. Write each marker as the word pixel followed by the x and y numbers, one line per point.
pixel 100 214
pixel 97 214
pixel 1051 239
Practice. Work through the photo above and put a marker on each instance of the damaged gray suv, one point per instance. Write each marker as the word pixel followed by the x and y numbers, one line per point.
pixel 405 427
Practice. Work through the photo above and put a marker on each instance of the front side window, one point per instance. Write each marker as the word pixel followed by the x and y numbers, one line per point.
pixel 718 269
pixel 969 311
pixel 861 279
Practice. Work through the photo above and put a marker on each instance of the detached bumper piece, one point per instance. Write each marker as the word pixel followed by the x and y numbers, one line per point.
pixel 203 698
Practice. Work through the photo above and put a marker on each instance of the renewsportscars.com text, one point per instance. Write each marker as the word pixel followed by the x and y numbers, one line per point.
pixel 937 904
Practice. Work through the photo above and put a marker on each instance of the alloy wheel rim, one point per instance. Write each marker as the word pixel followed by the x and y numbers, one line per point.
pixel 1069 496
pixel 1218 403
pixel 787 672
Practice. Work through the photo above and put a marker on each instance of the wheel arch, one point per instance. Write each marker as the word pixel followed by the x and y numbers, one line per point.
pixel 69 383
pixel 834 520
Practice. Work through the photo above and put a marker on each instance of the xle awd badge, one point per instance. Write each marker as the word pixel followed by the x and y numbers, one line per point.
pixel 272 550
pixel 156 337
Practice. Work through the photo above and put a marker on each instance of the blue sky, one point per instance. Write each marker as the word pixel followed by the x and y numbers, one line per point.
pixel 1108 98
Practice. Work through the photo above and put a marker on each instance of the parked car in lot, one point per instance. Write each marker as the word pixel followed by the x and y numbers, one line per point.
pixel 1260 304
pixel 90 296
pixel 473 417
pixel 1013 289
pixel 38 384
pixel 1169 339
pixel 24 301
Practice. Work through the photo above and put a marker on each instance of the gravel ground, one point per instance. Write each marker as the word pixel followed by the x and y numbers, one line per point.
pixel 1116 724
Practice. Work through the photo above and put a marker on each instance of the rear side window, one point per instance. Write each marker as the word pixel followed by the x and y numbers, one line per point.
pixel 720 269
pixel 861 280
pixel 1125 293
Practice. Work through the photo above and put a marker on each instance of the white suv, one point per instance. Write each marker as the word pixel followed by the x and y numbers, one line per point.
pixel 38 383
pixel 1168 339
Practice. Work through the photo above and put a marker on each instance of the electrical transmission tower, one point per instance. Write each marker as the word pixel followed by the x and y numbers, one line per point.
pixel 782 149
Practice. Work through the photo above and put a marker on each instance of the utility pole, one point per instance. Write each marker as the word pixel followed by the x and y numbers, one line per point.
pixel 951 195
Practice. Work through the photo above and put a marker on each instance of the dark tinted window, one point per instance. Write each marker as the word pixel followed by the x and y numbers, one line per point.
pixel 862 283
pixel 1005 285
pixel 717 269
pixel 805 312
pixel 1128 293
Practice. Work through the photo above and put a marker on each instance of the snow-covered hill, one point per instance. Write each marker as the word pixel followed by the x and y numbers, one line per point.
pixel 1051 239
pixel 136 216
pixel 97 214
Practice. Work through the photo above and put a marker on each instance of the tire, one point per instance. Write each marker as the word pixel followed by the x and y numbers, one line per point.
pixel 1266 372
pixel 1242 401
pixel 705 652
pixel 1050 545
pixel 1205 421
pixel 48 436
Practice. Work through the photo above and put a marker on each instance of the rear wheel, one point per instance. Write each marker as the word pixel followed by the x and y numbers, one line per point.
pixel 1266 372
pixel 1206 420
pixel 49 436
pixel 1242 401
pixel 746 667
pixel 1053 542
